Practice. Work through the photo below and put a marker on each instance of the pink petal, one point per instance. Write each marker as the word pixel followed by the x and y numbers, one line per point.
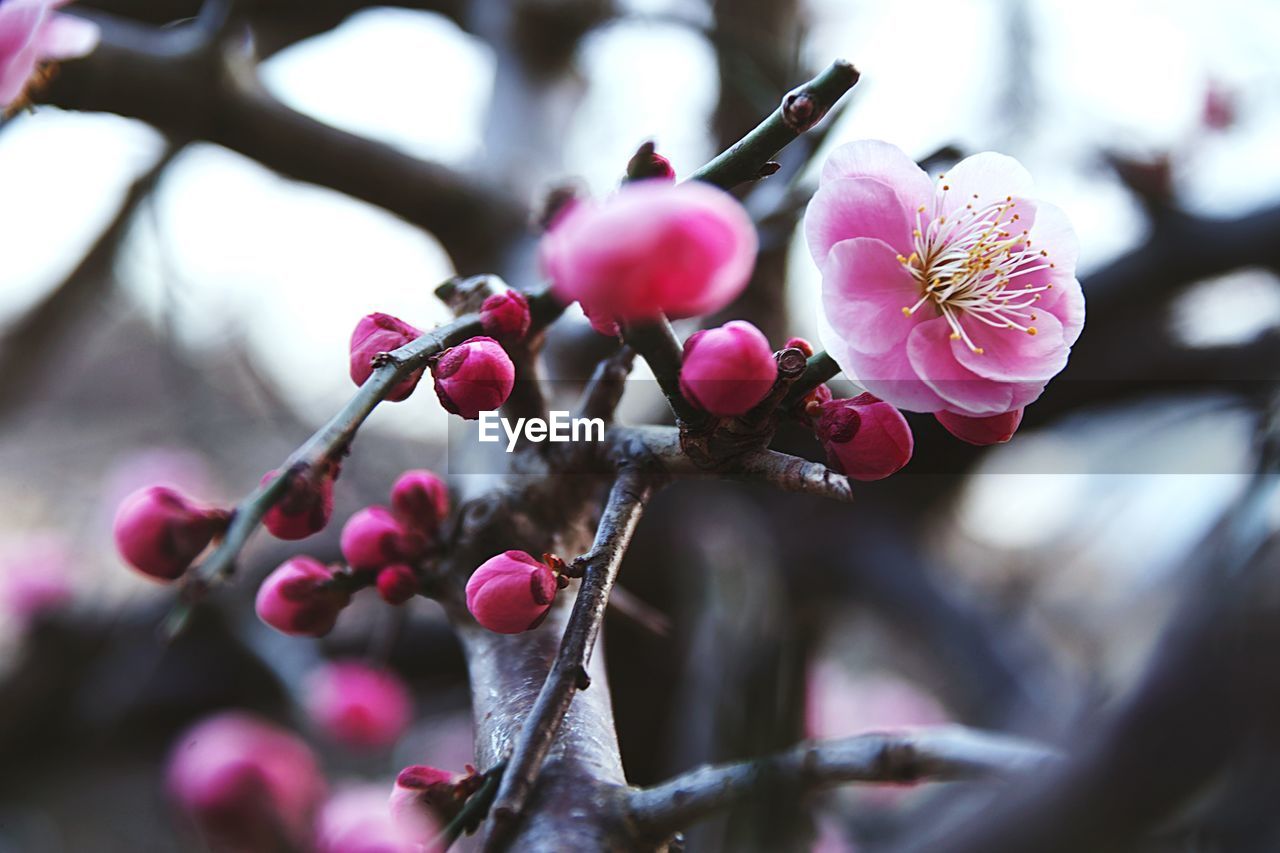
pixel 989 176
pixel 872 158
pixel 1012 355
pixel 864 289
pixel 1066 302
pixel 856 207
pixel 889 376
pixel 15 74
pixel 68 37
pixel 1052 232
pixel 930 350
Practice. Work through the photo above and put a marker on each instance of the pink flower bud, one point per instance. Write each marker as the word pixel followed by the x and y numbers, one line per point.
pixel 801 344
pixel 358 705
pixel 511 592
pixel 306 506
pixel 397 583
pixel 301 598
pixel 159 532
pixel 374 537
pixel 652 248
pixel 358 820
pixel 35 577
pixel 505 316
pixel 420 500
pixel 424 795
pixel 864 438
pixel 246 782
pixel 379 333
pixel 995 429
pixel 648 164
pixel 475 376
pixel 727 370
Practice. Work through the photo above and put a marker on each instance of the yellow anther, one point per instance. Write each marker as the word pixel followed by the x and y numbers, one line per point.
pixel 955 336
pixel 945 187
pixel 906 312
pixel 1031 330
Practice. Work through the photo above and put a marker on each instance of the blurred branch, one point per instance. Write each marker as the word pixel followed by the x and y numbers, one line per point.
pixel 599 568
pixel 943 753
pixel 603 393
pixel 41 328
pixel 188 84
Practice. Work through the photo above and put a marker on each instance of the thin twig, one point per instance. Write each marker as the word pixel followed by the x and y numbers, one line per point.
pixel 330 441
pixel 657 343
pixel 473 811
pixel 819 369
pixel 603 393
pixel 627 499
pixel 943 753
pixel 800 110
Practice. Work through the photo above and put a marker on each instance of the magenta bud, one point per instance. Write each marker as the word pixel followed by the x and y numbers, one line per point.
pixel 358 705
pixel 397 583
pixel 475 376
pixel 379 333
pixel 420 499
pixel 511 592
pixel 425 796
pixel 865 438
pixel 801 344
pixel 373 538
pixel 727 370
pixel 247 783
pixel 301 598
pixel 160 532
pixel 306 506
pixel 648 164
pixel 505 316
pixel 995 429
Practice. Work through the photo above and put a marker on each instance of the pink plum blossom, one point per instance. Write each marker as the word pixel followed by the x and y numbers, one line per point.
pixel 379 333
pixel 475 376
pixel 248 783
pixel 506 316
pixel 958 296
pixel 373 538
pixel 32 33
pixel 423 796
pixel 994 429
pixel 306 506
pixel 358 705
pixel 652 248
pixel 511 592
pixel 301 598
pixel 160 532
pixel 397 583
pixel 727 370
pixel 864 438
pixel 420 500
pixel 358 820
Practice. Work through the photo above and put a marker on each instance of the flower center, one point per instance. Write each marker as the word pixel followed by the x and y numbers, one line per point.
pixel 972 263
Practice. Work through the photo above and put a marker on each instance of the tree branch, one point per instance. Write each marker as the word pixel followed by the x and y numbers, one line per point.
pixel 188 85
pixel 333 439
pixel 604 391
pixel 944 753
pixel 627 499
pixel 819 369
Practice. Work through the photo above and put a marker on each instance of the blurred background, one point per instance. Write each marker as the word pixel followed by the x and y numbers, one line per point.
pixel 176 296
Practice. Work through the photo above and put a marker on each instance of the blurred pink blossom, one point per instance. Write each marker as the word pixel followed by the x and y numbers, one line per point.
pixel 358 820
pixel 32 33
pixel 35 576
pixel 840 704
pixel 959 296
pixel 651 248
pixel 358 705
pixel 246 782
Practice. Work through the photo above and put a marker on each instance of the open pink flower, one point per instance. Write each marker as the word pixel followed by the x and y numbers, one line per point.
pixel 652 248
pixel 958 296
pixel 32 33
